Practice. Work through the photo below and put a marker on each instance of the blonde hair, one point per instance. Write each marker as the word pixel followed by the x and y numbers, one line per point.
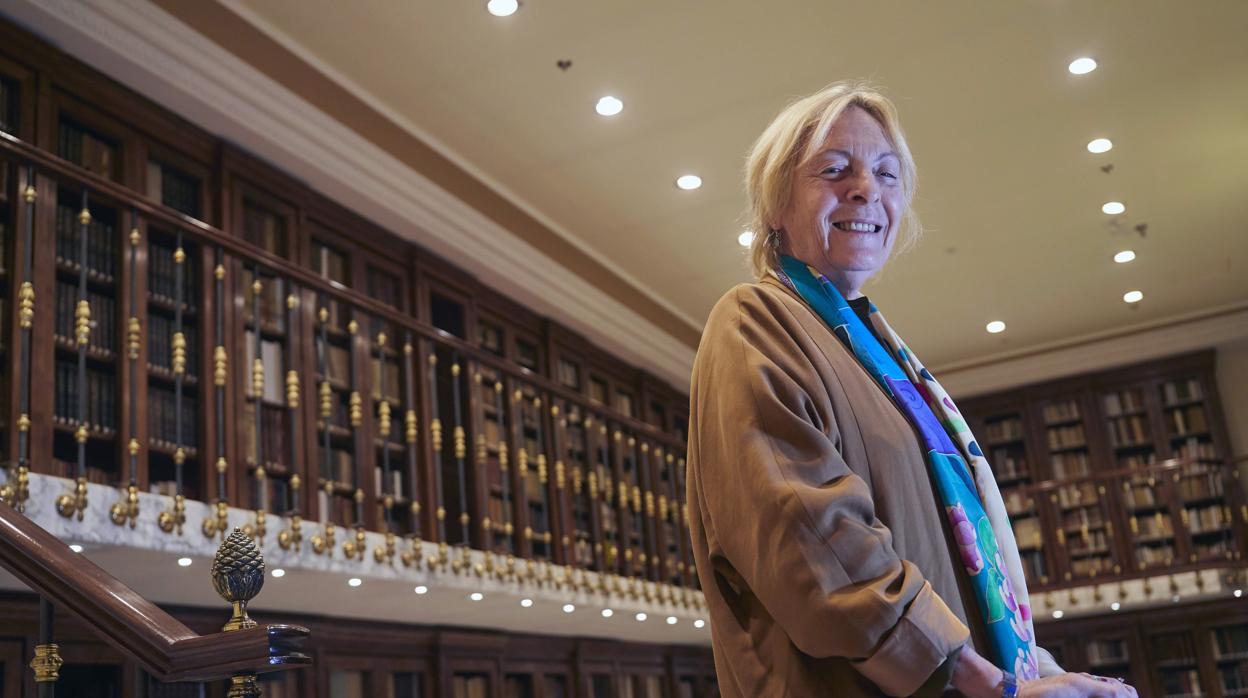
pixel 795 136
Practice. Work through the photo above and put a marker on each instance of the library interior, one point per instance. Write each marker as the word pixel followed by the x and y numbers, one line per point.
pixel 366 329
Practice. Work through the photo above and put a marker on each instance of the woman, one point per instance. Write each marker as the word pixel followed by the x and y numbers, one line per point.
pixel 844 544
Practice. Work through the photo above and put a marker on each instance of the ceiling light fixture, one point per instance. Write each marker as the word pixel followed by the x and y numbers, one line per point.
pixel 422 589
pixel 689 182
pixel 641 616
pixel 1115 606
pixel 1124 256
pixel 995 327
pixel 699 623
pixel 671 620
pixel 354 582
pixel 1100 145
pixel 568 608
pixel 1133 296
pixel 75 547
pixel 607 613
pixel 502 8
pixel 1113 208
pixel 279 573
pixel 1058 614
pixel 184 562
pixel 476 596
pixel 1238 593
pixel 609 106
pixel 1081 66
pixel 526 603
pixel 745 238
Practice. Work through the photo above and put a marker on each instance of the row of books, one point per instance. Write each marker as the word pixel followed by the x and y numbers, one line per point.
pixel 264 227
pixel 101 238
pixel 1095 565
pixel 1154 527
pixel 1189 419
pixel 1112 651
pixel 1068 465
pixel 160 331
pixel 1028 532
pixel 1208 518
pixel 272 301
pixel 393 380
pixel 1066 437
pixel 1122 401
pixel 1181 683
pixel 274 373
pixel 172 188
pixel 162 275
pixel 1200 486
pixel 1217 548
pixel 338 364
pixel 341 465
pixel 99 401
pixel 87 149
pixel 1008 429
pixel 273 430
pixel 1148 555
pixel 1194 449
pixel 1061 411
pixel 1140 495
pixel 1006 466
pixel 95 475
pixel 1234 679
pixel 1136 461
pixel 162 414
pixel 396 482
pixel 1083 494
pixel 339 510
pixel 103 315
pixel 1035 568
pixel 1230 641
pixel 1181 391
pixel 1093 542
pixel 1086 517
pixel 1129 431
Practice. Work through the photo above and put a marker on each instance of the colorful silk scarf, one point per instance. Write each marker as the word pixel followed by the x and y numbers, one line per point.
pixel 971 500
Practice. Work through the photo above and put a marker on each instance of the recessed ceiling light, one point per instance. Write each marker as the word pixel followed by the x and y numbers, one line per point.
pixel 671 620
pixel 1133 296
pixel 745 238
pixel 75 547
pixel 1124 256
pixel 279 573
pixel 568 608
pixel 607 613
pixel 609 106
pixel 1100 145
pixel 1239 593
pixel 1176 598
pixel 354 582
pixel 1115 606
pixel 502 8
pixel 641 616
pixel 526 603
pixel 1081 66
pixel 1113 208
pixel 184 562
pixel 995 327
pixel 689 182
pixel 699 623
pixel 476 596
pixel 422 589
pixel 1058 614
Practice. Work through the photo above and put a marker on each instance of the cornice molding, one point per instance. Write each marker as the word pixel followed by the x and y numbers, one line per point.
pixel 1204 329
pixel 150 51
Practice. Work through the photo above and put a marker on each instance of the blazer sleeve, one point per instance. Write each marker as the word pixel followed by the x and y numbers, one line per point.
pixel 792 522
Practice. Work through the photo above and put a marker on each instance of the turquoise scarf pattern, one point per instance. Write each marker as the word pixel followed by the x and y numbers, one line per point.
pixel 978 540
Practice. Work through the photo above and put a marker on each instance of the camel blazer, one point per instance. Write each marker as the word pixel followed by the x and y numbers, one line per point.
pixel 819 544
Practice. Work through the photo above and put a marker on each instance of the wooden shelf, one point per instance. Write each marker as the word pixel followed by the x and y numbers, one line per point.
pixel 93 432
pixel 155 300
pixel 94 353
pixel 94 278
pixel 164 375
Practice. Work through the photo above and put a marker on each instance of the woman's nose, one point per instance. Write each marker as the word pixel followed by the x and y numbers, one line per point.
pixel 863 188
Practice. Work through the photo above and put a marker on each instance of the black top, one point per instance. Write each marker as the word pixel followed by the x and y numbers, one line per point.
pixel 862 308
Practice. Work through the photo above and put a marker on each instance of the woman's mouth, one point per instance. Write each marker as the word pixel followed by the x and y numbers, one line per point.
pixel 858 227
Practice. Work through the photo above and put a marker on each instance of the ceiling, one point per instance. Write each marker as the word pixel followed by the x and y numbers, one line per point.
pixel 1008 193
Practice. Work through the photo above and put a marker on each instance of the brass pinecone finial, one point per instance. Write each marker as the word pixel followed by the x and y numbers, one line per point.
pixel 238 575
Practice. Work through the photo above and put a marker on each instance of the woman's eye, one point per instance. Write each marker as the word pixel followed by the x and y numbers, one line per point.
pixel 834 170
pixel 890 175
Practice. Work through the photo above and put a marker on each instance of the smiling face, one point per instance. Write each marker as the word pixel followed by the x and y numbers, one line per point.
pixel 846 204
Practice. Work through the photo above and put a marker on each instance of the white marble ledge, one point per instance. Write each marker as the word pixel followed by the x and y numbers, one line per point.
pixel 97 529
pixel 1135 594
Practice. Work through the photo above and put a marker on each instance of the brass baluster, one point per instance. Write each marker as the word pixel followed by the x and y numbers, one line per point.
pixel 16 490
pixel 73 504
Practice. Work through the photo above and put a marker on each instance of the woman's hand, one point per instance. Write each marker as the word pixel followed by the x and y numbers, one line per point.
pixel 1075 686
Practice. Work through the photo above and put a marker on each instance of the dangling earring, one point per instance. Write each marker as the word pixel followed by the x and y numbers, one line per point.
pixel 773 237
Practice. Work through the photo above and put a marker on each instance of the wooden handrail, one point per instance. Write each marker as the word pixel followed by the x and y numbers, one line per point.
pixel 26 154
pixel 166 648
